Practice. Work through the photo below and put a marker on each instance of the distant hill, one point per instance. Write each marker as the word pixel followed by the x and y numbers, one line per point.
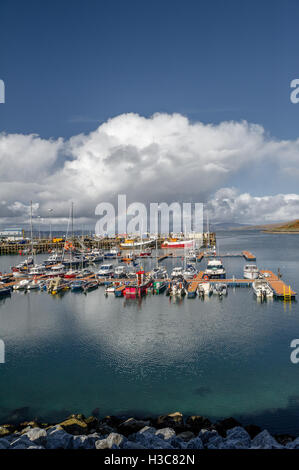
pixel 287 227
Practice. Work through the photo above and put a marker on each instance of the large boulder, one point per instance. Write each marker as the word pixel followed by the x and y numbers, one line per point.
pixel 101 444
pixel 186 435
pixel 206 434
pixel 112 421
pixel 57 438
pixel 21 442
pixel 92 423
pixel 131 426
pixel 165 433
pixel 76 426
pixel 150 441
pixel 178 443
pixel 85 442
pixel 4 443
pixel 196 423
pixel 293 445
pixel 264 440
pixel 237 438
pixel 37 436
pixel 225 424
pixel 5 430
pixel 284 439
pixel 115 439
pixel 195 443
pixel 172 420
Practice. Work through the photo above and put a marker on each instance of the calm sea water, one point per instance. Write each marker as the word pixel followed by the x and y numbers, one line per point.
pixel 218 358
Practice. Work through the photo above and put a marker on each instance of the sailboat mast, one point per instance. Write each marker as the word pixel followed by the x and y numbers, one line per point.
pixel 31 228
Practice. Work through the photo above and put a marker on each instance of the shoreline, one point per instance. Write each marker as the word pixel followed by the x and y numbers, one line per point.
pixel 170 431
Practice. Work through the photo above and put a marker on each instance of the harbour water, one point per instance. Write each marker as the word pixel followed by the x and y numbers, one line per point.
pixel 217 357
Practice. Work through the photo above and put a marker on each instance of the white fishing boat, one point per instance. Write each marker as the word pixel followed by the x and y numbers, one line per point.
pixel 158 273
pixel 189 272
pixel 106 270
pixel 262 289
pixel 220 289
pixel 56 270
pixel 177 272
pixel 215 270
pixel 37 270
pixel 34 284
pixel 251 271
pixel 22 285
pixel 120 271
pixel 204 289
pixel 111 254
pixel 110 289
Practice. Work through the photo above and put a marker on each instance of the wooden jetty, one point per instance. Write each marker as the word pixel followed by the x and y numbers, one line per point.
pixel 248 256
pixel 280 289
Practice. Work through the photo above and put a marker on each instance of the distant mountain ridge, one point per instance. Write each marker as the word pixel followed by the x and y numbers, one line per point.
pixel 286 227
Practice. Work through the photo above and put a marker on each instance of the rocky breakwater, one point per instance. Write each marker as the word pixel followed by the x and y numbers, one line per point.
pixel 172 431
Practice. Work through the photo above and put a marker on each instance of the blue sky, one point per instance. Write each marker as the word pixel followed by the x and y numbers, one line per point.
pixel 70 66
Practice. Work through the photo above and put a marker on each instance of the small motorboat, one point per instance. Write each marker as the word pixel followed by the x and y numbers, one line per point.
pixel 262 289
pixel 251 271
pixel 177 273
pixel 120 272
pixel 106 270
pixel 89 286
pixel 220 289
pixel 189 272
pixel 204 289
pixel 77 285
pixel 4 290
pixel 22 285
pixel 110 289
pixel 215 270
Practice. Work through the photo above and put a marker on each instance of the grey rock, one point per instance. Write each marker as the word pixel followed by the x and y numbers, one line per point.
pixel 19 447
pixel 264 440
pixel 115 439
pixel 101 444
pixel 20 442
pixel 132 425
pixel 4 443
pixel 195 443
pixel 165 433
pixel 186 435
pixel 216 442
pixel 237 438
pixel 57 438
pixel 151 441
pixel 178 443
pixel 148 429
pixel 205 435
pixel 36 435
pixel 85 442
pixel 293 445
pixel 132 445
